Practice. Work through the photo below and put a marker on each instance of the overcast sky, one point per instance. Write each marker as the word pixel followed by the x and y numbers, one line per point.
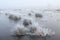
pixel 29 3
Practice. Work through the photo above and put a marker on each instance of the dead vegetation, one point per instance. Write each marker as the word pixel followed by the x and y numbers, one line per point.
pixel 37 15
pixel 15 18
pixel 27 22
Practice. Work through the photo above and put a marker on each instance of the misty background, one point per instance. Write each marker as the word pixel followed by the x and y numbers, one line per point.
pixel 29 3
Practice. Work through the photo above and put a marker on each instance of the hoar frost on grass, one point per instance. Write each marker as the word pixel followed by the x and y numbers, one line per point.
pixel 37 15
pixel 28 26
pixel 14 17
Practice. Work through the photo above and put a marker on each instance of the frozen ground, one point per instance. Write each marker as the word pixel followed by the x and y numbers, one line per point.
pixel 50 19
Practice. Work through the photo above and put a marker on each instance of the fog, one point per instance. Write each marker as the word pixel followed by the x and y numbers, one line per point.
pixel 50 18
pixel 29 3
